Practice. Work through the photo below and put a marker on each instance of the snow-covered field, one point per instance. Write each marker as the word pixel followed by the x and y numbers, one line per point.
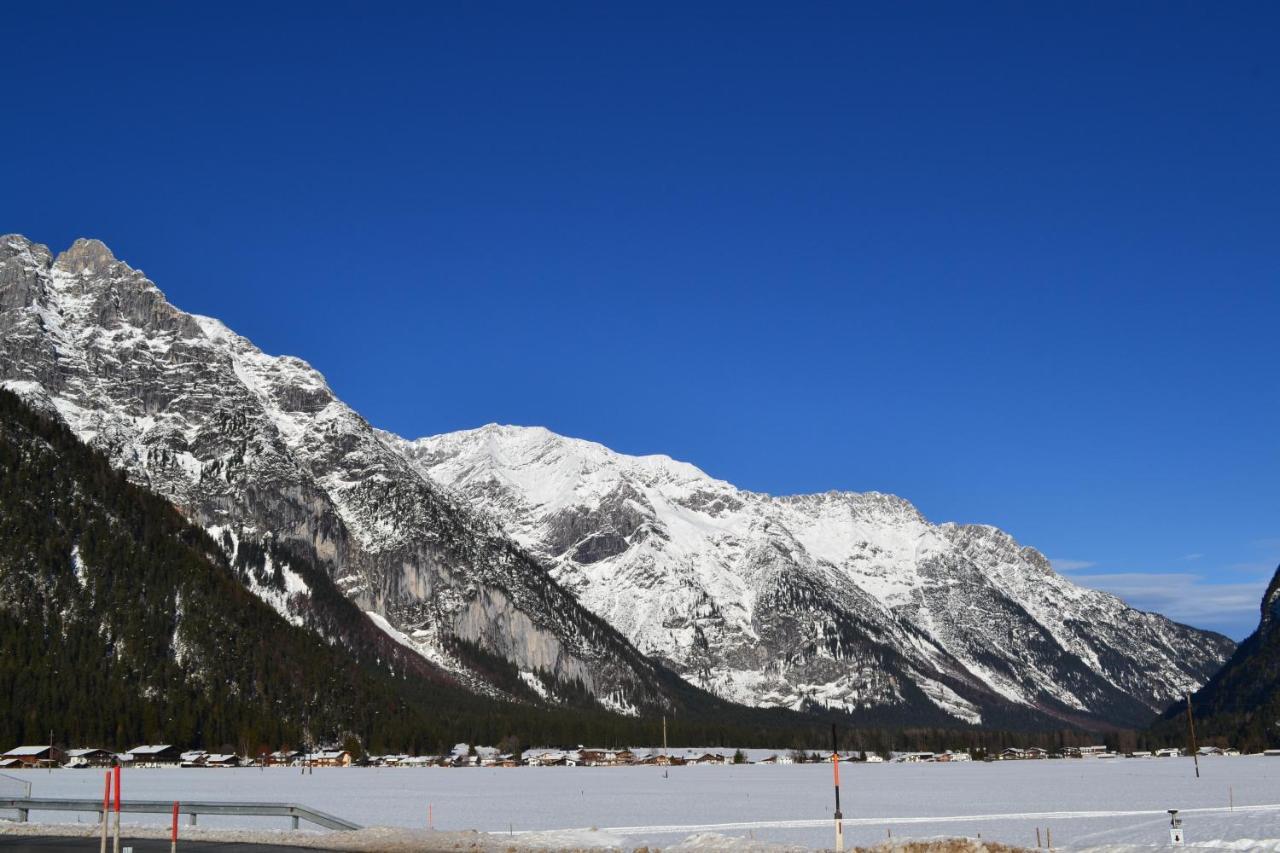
pixel 1086 803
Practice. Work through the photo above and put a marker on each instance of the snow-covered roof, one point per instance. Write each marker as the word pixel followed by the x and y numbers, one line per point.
pixel 76 753
pixel 330 753
pixel 150 749
pixel 27 750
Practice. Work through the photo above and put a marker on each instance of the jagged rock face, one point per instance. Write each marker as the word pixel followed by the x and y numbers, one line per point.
pixel 848 600
pixel 252 446
pixel 1241 702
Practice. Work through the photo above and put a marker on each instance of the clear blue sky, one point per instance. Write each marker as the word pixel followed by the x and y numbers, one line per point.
pixel 1018 263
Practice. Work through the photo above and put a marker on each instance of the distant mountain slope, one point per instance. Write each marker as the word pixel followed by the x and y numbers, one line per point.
pixel 258 451
pixel 1241 702
pixel 120 622
pixel 852 601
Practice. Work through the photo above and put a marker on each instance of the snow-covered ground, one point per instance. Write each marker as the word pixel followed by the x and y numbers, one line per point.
pixel 1110 804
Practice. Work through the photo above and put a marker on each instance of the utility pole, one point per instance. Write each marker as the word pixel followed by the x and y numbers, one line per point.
pixel 835 767
pixel 1191 728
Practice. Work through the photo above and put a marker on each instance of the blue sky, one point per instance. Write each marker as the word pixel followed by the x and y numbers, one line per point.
pixel 1015 262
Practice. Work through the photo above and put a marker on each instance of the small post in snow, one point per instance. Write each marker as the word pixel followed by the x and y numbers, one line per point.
pixel 173 838
pixel 835 767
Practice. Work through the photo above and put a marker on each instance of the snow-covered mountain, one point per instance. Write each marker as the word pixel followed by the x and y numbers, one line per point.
pixel 842 599
pixel 453 545
pixel 257 450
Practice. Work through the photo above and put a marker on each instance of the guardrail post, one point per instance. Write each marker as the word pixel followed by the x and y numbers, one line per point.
pixel 22 815
pixel 192 821
pixel 295 821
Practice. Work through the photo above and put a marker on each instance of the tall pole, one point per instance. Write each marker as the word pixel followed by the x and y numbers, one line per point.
pixel 116 845
pixel 835 767
pixel 106 811
pixel 1191 728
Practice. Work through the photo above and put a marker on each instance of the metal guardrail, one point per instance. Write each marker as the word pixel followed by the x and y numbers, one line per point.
pixel 24 805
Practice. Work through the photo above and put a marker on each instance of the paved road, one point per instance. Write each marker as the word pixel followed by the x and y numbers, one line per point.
pixel 18 844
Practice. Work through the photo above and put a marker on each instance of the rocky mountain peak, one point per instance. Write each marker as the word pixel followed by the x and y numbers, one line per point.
pixel 86 255
pixel 1271 603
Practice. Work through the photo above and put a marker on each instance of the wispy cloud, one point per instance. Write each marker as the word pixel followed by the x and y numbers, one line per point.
pixel 1231 608
pixel 1071 565
pixel 1191 557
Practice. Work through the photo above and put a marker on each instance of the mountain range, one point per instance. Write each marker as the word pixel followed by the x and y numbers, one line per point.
pixel 523 565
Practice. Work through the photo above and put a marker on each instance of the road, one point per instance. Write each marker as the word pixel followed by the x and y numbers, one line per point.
pixel 37 844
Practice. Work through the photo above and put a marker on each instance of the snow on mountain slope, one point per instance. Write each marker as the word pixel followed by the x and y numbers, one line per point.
pixel 841 599
pixel 257 449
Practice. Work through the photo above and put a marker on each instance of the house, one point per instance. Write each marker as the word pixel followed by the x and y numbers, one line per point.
pixel 1092 751
pixel 331 758
pixel 11 764
pixel 543 757
pixel 871 759
pixel 37 756
pixel 1168 752
pixel 1140 753
pixel 81 758
pixel 948 756
pixel 1035 752
pixel 698 758
pixel 1012 753
pixel 194 758
pixel 155 755
pixel 222 759
pixel 917 757
pixel 1210 750
pixel 284 758
pixel 598 757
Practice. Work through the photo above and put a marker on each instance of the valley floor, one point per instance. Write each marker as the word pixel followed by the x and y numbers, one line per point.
pixel 1115 805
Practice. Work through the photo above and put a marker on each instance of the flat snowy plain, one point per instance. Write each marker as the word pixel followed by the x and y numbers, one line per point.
pixel 1083 802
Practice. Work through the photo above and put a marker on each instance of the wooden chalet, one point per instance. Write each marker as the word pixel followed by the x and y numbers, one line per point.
pixel 36 756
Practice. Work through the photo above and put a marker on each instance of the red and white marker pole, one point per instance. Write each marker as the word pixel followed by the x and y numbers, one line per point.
pixel 835 767
pixel 106 809
pixel 173 839
pixel 116 846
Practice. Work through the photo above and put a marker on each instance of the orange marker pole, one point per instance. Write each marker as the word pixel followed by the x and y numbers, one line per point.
pixel 173 839
pixel 835 767
pixel 431 818
pixel 116 845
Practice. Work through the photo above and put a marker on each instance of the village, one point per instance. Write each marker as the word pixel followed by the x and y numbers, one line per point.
pixel 465 755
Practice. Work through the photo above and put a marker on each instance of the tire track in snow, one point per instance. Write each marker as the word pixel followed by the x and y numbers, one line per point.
pixel 898 821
